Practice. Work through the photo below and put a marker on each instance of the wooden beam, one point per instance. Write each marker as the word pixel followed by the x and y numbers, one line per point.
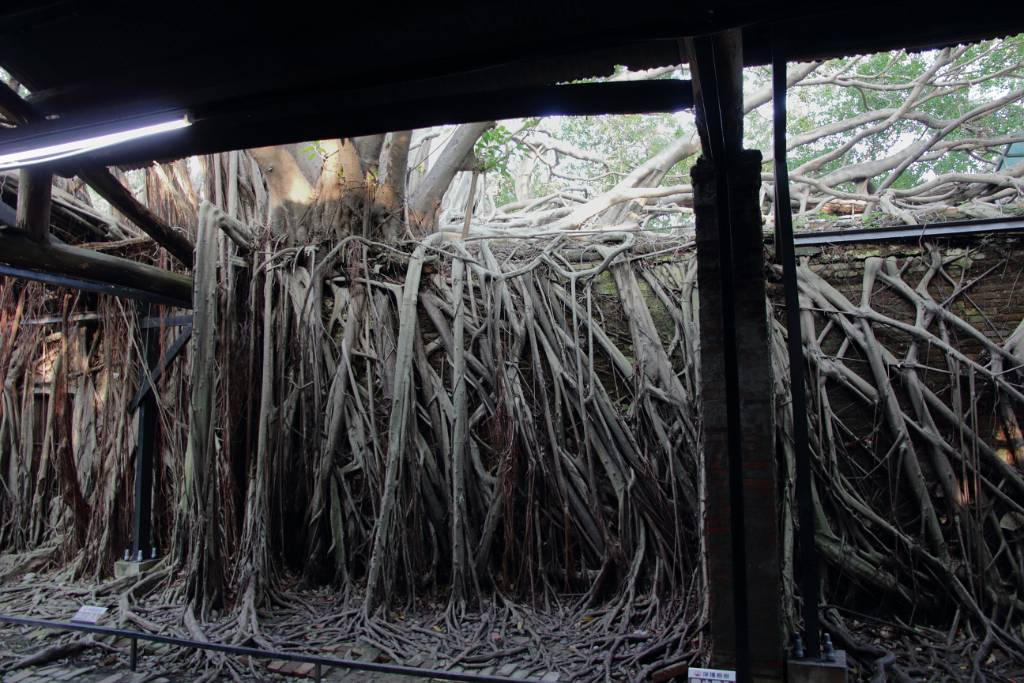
pixel 58 319
pixel 83 285
pixel 34 202
pixel 108 187
pixel 722 118
pixel 100 179
pixel 19 250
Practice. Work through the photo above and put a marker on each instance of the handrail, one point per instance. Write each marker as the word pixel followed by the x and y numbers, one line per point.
pixel 318 660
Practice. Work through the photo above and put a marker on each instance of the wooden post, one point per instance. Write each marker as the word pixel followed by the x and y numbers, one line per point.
pixel 34 184
pixel 737 388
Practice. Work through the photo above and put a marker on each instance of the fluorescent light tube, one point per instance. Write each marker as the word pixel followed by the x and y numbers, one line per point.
pixel 83 145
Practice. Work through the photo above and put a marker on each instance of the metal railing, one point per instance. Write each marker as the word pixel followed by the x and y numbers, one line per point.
pixel 320 662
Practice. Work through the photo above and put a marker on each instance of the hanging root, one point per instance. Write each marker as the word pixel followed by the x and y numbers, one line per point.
pixel 501 444
pixel 912 502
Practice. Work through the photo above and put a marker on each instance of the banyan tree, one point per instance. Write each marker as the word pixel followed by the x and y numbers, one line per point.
pixel 442 393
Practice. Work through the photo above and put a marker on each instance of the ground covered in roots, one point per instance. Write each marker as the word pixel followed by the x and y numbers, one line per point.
pixel 648 640
pixel 502 636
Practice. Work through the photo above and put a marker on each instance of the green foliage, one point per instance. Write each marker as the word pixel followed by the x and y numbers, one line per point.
pixel 314 149
pixel 494 149
pixel 497 151
pixel 624 142
pixel 884 81
pixel 837 91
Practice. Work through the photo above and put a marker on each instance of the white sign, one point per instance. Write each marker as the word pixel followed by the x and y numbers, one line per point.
pixel 704 675
pixel 89 614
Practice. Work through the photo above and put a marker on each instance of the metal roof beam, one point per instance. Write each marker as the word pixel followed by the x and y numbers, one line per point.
pixel 949 229
pixel 276 120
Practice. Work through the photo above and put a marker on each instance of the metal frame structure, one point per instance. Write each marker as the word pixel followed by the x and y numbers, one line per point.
pixel 145 402
pixel 912 233
pixel 142 531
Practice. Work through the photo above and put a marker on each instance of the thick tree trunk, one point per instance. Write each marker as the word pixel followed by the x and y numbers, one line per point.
pixel 425 199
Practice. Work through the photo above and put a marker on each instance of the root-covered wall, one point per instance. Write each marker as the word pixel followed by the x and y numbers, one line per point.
pixel 522 418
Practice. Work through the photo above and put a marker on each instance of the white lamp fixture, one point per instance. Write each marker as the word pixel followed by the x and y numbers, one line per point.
pixel 56 145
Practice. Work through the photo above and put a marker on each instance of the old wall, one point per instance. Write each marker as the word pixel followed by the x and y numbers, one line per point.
pixel 992 268
pixel 991 273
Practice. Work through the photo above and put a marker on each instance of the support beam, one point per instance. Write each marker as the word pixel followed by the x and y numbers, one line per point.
pixel 91 286
pixel 18 250
pixel 807 571
pixel 973 229
pixel 110 188
pixel 741 518
pixel 181 320
pixel 156 371
pixel 142 536
pixel 14 107
pixel 257 122
pixel 34 202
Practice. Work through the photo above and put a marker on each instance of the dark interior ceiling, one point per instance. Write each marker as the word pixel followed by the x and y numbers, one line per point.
pixel 253 76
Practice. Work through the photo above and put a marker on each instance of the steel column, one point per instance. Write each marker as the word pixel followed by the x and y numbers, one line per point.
pixel 785 251
pixel 142 537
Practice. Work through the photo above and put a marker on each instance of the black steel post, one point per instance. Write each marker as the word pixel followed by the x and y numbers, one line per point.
pixel 786 253
pixel 142 541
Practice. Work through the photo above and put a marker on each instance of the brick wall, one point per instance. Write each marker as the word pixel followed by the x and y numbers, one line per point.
pixel 994 304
